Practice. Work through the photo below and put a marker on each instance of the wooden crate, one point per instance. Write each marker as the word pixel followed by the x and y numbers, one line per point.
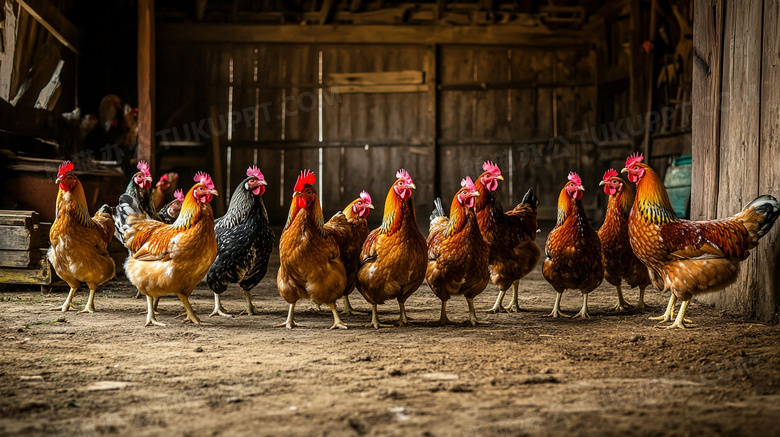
pixel 24 240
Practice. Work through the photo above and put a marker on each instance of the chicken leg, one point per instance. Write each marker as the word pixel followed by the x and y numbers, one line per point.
pixel 337 323
pixel 498 307
pixel 621 304
pixel 250 309
pixel 472 312
pixel 348 309
pixel 90 306
pixel 218 308
pixel 514 307
pixel 402 320
pixel 443 320
pixel 66 305
pixel 375 319
pixel 584 311
pixel 556 312
pixel 191 316
pixel 150 319
pixel 641 306
pixel 290 322
pixel 679 322
pixel 669 313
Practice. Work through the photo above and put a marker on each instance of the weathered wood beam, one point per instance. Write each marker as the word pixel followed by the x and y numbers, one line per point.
pixel 53 21
pixel 327 6
pixel 372 34
pixel 146 82
pixel 432 79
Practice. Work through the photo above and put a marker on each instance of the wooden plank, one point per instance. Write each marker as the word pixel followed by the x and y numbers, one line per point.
pixel 52 20
pixel 408 77
pixel 373 34
pixel 707 52
pixel 146 82
pixel 17 238
pixel 18 258
pixel 381 89
pixel 40 275
pixel 17 220
pixel 431 79
pixel 739 137
pixel 767 254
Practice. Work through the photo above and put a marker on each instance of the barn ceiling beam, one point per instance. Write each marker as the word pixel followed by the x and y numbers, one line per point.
pixel 52 20
pixel 372 34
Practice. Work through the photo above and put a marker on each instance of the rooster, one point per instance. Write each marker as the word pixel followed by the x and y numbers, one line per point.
pixel 573 249
pixel 164 189
pixel 690 257
pixel 310 266
pixel 79 242
pixel 457 254
pixel 170 212
pixel 166 259
pixel 619 260
pixel 510 235
pixel 244 242
pixel 139 188
pixel 350 229
pixel 394 256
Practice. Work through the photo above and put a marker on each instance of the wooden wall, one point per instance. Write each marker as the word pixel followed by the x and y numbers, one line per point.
pixel 736 127
pixel 473 103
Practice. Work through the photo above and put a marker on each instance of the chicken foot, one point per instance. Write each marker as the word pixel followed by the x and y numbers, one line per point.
pixel 218 308
pixel 514 307
pixel 621 304
pixel 191 316
pixel 150 319
pixel 290 322
pixel 337 323
pixel 443 320
pixel 90 306
pixel 472 312
pixel 584 311
pixel 402 319
pixel 498 307
pixel 680 321
pixel 556 312
pixel 66 305
pixel 348 309
pixel 641 306
pixel 250 309
pixel 669 313
pixel 375 319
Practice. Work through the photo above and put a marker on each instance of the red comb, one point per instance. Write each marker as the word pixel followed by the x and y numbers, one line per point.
pixel 143 166
pixel 574 177
pixel 366 198
pixel 634 159
pixel 611 173
pixel 491 168
pixel 468 183
pixel 204 179
pixel 306 178
pixel 179 195
pixel 403 174
pixel 65 167
pixel 164 177
pixel 255 172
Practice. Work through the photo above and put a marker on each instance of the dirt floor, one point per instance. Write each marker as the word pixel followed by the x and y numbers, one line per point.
pixel 518 374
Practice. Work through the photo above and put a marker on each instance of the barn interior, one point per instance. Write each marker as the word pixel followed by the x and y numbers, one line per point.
pixel 355 90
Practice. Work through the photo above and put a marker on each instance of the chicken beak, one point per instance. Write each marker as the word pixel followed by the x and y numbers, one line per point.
pixel 500 178
pixel 370 206
pixel 214 192
pixel 602 183
pixel 58 181
pixel 581 188
pixel 625 170
pixel 474 194
pixel 412 186
pixel 263 182
pixel 148 179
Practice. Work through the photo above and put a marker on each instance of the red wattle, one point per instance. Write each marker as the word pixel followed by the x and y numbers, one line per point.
pixel 301 202
pixel 609 190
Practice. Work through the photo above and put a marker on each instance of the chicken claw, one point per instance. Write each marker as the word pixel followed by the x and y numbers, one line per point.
pixel 290 322
pixel 218 308
pixel 66 305
pixel 250 309
pixel 514 307
pixel 621 304
pixel 337 323
pixel 497 307
pixel 443 320
pixel 348 309
pixel 375 320
pixel 669 313
pixel 556 311
pixel 150 319
pixel 584 311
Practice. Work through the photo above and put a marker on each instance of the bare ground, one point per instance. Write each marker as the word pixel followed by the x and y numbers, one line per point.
pixel 518 374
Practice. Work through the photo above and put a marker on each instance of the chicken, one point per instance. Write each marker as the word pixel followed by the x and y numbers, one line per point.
pixel 244 242
pixel 394 256
pixel 79 243
pixel 690 257
pixel 139 188
pixel 457 254
pixel 170 259
pixel 510 235
pixel 619 260
pixel 350 229
pixel 164 189
pixel 170 212
pixel 573 249
pixel 310 267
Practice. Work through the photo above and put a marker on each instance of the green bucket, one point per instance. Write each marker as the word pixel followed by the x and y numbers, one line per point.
pixel 678 185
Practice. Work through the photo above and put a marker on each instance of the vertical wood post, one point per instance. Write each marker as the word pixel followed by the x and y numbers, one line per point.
pixel 146 88
pixel 433 118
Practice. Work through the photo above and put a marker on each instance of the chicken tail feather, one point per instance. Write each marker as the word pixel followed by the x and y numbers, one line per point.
pixel 127 205
pixel 438 210
pixel 759 216
pixel 530 199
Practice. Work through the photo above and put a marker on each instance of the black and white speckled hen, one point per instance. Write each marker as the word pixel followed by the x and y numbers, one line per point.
pixel 244 242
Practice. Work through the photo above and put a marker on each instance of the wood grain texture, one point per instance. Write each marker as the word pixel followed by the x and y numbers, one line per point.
pixel 146 77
